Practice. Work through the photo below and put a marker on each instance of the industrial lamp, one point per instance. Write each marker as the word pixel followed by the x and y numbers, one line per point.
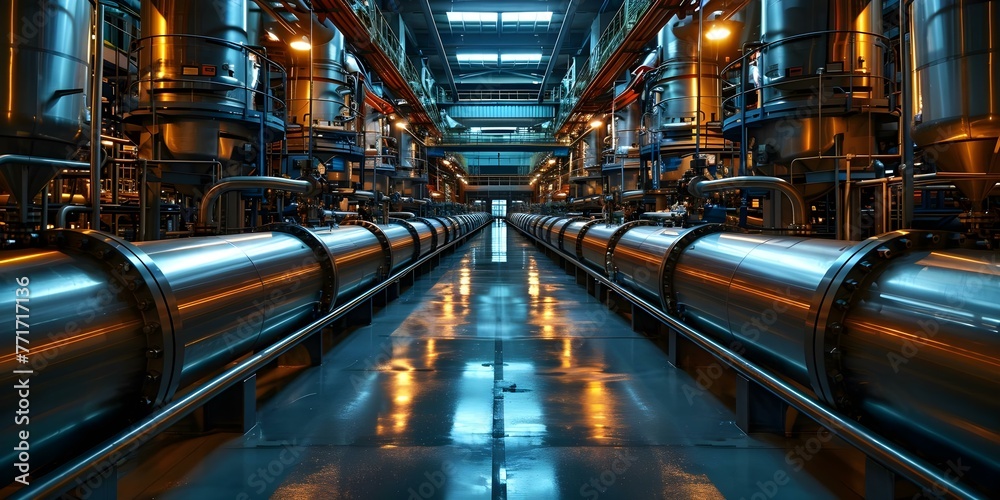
pixel 717 31
pixel 301 43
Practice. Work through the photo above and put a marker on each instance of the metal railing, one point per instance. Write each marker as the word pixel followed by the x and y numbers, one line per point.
pixel 742 92
pixel 611 39
pixel 501 95
pixel 382 34
pixel 499 180
pixel 256 91
pixel 519 137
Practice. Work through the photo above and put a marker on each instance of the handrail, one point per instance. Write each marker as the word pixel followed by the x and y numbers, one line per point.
pixel 902 461
pixel 272 104
pixel 733 71
pixel 117 447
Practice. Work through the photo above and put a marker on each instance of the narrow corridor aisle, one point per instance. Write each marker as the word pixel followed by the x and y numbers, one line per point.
pixel 494 376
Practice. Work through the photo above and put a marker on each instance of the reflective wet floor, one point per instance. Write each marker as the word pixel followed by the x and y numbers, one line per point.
pixel 494 376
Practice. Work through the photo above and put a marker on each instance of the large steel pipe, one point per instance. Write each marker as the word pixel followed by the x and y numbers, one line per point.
pixel 86 351
pixel 901 331
pixel 115 329
pixel 233 295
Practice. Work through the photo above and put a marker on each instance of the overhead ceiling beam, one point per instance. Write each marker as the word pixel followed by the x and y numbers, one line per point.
pixel 425 5
pixel 567 22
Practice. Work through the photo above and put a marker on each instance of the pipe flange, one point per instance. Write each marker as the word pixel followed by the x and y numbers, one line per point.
pixel 328 294
pixel 845 284
pixel 434 235
pixel 140 278
pixel 579 238
pixel 386 266
pixel 540 223
pixel 446 224
pixel 413 233
pixel 562 230
pixel 609 266
pixel 668 295
pixel 547 229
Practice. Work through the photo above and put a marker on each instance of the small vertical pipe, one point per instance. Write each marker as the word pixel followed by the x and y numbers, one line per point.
pixel 906 116
pixel 742 96
pixel 95 119
pixel 144 200
pixel 697 114
pixel 45 207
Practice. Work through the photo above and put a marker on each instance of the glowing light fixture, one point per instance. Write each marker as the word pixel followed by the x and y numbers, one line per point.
pixel 596 123
pixel 717 32
pixel 552 161
pixel 272 37
pixel 400 124
pixel 301 44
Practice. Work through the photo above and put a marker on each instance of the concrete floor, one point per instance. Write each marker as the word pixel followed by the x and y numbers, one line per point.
pixel 494 376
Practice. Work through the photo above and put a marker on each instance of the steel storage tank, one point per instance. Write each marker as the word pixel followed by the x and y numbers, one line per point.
pixel 327 116
pixel 956 114
pixel 197 81
pixel 44 78
pixel 674 96
pixel 812 52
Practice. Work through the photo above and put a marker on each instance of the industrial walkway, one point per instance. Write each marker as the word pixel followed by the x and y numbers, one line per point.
pixel 494 376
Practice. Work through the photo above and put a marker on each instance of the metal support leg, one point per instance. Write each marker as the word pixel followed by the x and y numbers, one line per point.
pixel 235 410
pixel 392 291
pixel 307 353
pixel 101 486
pixel 757 409
pixel 360 315
pixel 616 303
pixel 880 482
pixel 644 323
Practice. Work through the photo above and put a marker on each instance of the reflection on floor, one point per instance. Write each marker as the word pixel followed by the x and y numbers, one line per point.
pixel 495 375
